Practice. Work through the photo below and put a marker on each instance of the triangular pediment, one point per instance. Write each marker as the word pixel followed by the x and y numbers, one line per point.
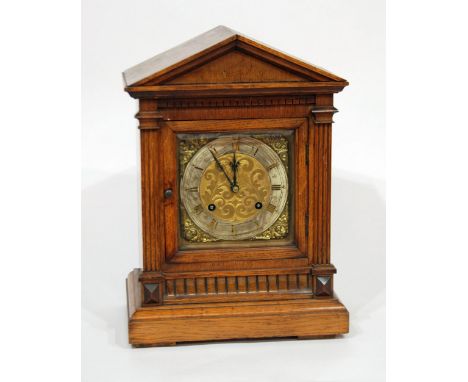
pixel 223 56
pixel 236 67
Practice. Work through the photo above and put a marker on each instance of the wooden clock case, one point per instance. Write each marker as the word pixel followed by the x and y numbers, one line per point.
pixel 220 82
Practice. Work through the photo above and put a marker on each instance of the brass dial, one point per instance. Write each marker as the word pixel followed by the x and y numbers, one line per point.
pixel 234 188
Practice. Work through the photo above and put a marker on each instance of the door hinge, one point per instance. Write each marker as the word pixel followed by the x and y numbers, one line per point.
pixel 307 224
pixel 307 154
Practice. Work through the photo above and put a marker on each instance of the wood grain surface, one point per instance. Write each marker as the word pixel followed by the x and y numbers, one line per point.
pixel 196 51
pixel 222 82
pixel 168 324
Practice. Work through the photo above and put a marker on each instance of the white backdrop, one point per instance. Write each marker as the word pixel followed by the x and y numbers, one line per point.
pixel 346 37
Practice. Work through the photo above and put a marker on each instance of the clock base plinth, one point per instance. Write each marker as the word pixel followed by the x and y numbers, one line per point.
pixel 169 324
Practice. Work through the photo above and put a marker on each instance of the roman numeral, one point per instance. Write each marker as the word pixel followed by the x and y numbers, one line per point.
pixel 272 166
pixel 198 209
pixel 271 208
pixel 254 150
pixel 213 224
pixel 198 168
pixel 192 189
pixel 235 144
pixel 213 148
pixel 276 187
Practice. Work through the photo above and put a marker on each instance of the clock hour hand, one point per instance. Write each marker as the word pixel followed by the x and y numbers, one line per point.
pixel 222 169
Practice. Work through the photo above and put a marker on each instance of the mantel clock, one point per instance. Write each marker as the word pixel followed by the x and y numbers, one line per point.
pixel 235 180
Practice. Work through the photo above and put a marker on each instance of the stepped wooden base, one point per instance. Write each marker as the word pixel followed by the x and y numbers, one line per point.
pixel 169 324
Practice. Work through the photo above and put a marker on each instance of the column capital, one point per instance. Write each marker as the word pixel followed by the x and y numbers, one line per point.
pixel 323 114
pixel 149 120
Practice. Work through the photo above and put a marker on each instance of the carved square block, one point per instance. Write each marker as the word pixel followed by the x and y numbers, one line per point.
pixel 323 286
pixel 152 293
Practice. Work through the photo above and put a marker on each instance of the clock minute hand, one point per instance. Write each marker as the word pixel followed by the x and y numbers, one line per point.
pixel 222 168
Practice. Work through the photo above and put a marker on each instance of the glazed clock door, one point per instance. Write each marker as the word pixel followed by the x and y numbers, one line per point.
pixel 239 190
pixel 235 187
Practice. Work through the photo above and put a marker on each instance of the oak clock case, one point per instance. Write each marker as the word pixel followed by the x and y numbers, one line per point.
pixel 235 141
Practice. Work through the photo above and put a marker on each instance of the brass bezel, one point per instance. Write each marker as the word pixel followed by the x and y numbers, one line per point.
pixel 282 231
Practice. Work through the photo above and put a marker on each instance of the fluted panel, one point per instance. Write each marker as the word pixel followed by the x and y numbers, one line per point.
pixel 320 192
pixel 234 285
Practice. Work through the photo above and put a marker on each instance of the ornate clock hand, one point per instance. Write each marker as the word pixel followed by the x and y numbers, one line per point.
pixel 222 169
pixel 234 166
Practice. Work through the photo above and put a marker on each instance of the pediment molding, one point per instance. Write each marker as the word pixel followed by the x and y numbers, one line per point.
pixel 235 66
pixel 222 56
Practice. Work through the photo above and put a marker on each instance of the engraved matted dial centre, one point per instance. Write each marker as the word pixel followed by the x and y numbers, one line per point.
pixel 234 187
pixel 235 205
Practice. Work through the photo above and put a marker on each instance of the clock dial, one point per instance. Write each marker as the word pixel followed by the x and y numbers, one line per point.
pixel 234 187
